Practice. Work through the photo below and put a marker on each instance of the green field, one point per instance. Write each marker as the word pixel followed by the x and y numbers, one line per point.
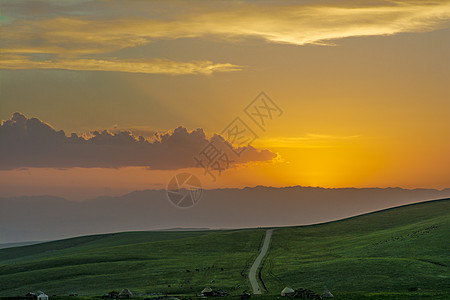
pixel 393 251
pixel 401 253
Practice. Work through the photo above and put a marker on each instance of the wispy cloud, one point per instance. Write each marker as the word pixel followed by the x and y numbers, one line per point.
pixel 74 35
pixel 155 66
pixel 310 140
pixel 297 24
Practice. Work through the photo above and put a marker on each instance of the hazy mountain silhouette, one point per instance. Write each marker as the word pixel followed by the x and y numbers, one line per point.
pixel 47 217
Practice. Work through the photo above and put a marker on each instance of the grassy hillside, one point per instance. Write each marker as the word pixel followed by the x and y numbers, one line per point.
pixel 142 261
pixel 392 252
pixel 396 250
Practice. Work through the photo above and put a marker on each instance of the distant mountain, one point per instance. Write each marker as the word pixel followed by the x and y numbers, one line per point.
pixel 47 218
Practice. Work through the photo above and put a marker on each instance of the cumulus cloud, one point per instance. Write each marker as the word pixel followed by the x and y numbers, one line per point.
pixel 30 142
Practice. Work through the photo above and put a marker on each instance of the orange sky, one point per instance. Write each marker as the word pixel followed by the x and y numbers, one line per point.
pixel 363 87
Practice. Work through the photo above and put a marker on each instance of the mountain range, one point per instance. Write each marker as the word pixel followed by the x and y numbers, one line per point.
pixel 37 218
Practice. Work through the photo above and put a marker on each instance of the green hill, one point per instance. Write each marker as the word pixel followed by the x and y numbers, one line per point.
pixel 168 262
pixel 399 251
pixel 396 250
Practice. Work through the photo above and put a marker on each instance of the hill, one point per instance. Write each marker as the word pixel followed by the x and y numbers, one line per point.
pixel 400 250
pixel 396 250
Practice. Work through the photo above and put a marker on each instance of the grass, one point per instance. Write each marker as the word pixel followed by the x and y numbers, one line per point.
pixel 401 253
pixel 158 262
pixel 346 296
pixel 391 251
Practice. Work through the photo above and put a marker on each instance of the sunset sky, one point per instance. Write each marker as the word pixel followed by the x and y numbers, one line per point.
pixel 362 89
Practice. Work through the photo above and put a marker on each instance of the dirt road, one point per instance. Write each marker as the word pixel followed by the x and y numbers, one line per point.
pixel 254 269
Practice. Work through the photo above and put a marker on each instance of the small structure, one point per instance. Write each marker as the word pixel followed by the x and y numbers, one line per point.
pixel 327 293
pixel 125 294
pixel 207 292
pixel 42 296
pixel 287 291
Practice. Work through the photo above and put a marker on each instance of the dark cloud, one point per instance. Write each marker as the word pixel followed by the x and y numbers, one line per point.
pixel 33 143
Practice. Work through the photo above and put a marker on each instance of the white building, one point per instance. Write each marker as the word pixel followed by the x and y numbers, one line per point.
pixel 42 296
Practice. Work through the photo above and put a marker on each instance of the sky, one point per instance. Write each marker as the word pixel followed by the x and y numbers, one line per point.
pixel 107 97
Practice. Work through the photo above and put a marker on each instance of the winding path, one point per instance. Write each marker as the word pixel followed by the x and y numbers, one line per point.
pixel 254 269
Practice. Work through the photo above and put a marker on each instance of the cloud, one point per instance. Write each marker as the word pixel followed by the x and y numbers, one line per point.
pixel 280 22
pixel 76 34
pixel 29 142
pixel 307 141
pixel 155 66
